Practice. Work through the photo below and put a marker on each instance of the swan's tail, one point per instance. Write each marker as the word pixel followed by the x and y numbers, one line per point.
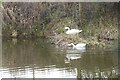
pixel 80 30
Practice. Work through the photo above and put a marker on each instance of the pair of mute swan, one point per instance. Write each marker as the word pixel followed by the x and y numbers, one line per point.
pixel 72 31
pixel 79 46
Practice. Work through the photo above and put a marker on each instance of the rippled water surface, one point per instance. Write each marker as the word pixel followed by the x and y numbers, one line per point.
pixel 40 59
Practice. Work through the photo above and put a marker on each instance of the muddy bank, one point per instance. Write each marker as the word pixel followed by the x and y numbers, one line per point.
pixel 62 40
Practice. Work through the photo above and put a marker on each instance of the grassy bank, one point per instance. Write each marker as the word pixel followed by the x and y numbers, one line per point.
pixel 102 35
pixel 99 22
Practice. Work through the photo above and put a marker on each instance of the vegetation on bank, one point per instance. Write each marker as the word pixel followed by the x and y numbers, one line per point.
pixel 99 21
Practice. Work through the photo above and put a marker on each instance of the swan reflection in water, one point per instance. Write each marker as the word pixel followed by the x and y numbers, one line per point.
pixel 74 54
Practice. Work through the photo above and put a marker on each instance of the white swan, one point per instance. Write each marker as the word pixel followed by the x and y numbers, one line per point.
pixel 72 31
pixel 79 46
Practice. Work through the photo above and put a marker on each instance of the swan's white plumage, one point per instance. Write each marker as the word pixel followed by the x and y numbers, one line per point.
pixel 72 31
pixel 79 46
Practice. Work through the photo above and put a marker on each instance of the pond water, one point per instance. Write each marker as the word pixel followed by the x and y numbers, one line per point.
pixel 39 59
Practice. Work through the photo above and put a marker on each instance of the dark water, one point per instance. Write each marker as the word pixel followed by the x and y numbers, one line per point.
pixel 39 59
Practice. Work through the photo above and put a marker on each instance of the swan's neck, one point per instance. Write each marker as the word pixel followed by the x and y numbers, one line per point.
pixel 68 28
pixel 73 45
